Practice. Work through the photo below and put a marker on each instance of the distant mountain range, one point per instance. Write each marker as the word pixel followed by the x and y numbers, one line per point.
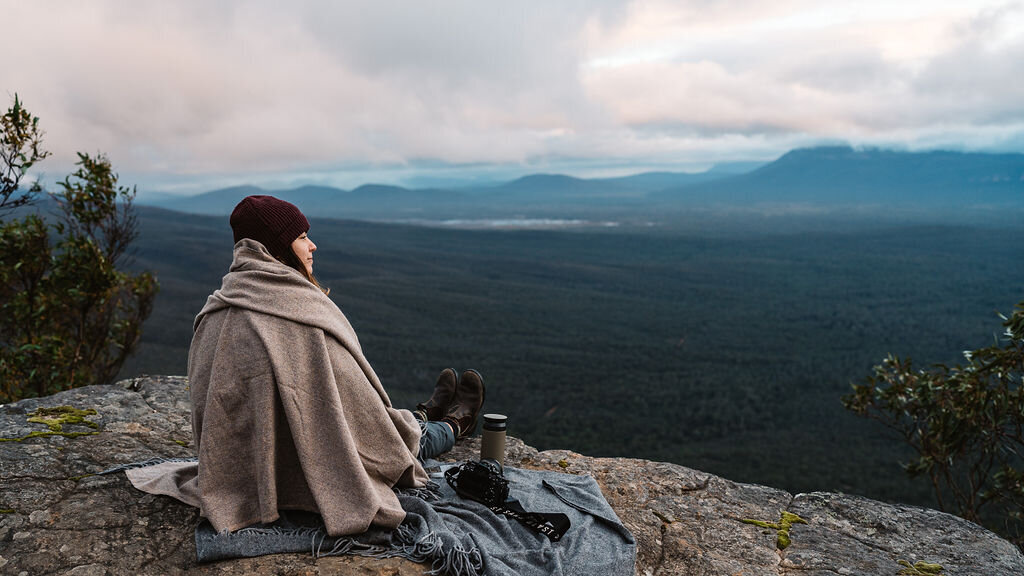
pixel 843 175
pixel 529 194
pixel 831 177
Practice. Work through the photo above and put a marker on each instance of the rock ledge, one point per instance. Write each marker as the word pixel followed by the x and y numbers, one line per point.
pixel 58 517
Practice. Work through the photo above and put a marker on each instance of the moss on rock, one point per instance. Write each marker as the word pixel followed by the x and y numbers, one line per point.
pixel 782 539
pixel 920 568
pixel 55 418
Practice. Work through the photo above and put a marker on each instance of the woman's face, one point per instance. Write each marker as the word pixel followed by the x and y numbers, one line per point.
pixel 304 248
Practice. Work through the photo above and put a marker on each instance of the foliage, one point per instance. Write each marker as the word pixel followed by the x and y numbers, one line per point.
pixel 20 148
pixel 966 424
pixel 68 316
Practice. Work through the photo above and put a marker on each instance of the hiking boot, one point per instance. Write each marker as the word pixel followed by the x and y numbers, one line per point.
pixel 442 398
pixel 469 399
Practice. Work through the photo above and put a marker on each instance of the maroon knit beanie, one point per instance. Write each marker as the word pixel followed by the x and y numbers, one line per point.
pixel 271 222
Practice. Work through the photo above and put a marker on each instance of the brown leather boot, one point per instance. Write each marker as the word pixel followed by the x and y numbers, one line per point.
pixel 443 396
pixel 469 399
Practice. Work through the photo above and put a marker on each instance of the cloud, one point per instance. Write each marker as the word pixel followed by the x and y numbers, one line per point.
pixel 853 78
pixel 222 90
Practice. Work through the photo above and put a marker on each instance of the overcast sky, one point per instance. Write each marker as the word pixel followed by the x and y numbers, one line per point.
pixel 187 96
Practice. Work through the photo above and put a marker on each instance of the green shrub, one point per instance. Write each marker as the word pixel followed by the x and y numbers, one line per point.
pixel 68 315
pixel 965 423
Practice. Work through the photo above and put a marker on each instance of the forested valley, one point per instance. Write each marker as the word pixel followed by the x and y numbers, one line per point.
pixel 724 350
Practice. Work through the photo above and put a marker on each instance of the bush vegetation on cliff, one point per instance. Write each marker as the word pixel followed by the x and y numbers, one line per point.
pixel 965 423
pixel 69 316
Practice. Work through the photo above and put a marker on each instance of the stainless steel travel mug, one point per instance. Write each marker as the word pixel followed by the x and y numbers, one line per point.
pixel 492 443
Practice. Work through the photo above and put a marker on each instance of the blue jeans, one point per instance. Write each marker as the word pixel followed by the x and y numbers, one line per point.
pixel 436 438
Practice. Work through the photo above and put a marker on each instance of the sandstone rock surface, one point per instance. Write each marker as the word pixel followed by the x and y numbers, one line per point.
pixel 58 517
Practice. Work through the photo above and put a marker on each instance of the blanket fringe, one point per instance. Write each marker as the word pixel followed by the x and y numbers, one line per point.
pixel 457 561
pixel 301 531
pixel 429 493
pixel 429 548
pixel 344 546
pixel 145 463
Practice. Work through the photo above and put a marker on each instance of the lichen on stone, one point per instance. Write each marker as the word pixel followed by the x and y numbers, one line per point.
pixel 919 568
pixel 54 418
pixel 57 416
pixel 782 539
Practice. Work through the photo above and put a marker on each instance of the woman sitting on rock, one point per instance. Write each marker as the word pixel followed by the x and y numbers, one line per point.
pixel 287 412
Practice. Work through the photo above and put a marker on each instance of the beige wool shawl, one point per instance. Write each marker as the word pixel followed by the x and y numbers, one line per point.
pixel 287 412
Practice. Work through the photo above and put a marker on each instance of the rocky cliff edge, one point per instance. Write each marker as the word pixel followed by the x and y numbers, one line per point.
pixel 58 517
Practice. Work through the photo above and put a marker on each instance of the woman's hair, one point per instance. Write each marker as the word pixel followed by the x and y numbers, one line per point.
pixel 292 260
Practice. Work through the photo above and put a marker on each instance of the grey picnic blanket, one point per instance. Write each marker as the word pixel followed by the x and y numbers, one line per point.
pixel 454 536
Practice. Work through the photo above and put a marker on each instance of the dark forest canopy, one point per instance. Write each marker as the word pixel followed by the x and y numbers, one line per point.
pixel 724 350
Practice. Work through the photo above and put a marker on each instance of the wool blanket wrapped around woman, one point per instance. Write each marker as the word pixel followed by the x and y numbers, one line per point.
pixel 287 413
